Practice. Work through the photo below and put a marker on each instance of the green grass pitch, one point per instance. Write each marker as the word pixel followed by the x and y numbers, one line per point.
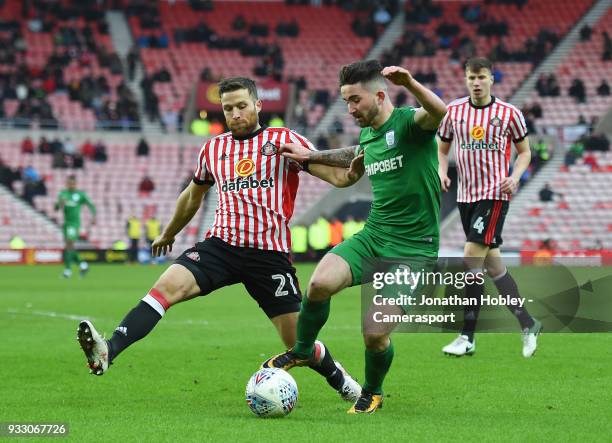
pixel 186 380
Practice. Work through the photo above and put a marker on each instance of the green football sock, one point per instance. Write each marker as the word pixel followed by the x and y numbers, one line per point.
pixel 313 316
pixel 67 258
pixel 74 257
pixel 377 365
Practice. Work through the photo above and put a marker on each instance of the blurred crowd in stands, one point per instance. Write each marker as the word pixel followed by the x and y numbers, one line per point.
pixel 310 243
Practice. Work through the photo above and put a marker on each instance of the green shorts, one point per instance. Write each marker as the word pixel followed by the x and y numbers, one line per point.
pixel 71 232
pixel 365 245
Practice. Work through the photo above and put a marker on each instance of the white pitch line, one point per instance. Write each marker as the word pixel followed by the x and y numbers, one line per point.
pixel 74 317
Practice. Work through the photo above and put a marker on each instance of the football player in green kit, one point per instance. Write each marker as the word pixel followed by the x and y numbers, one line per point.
pixel 71 200
pixel 399 152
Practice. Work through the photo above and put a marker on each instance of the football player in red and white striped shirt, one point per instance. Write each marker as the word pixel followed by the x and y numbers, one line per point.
pixel 481 129
pixel 248 242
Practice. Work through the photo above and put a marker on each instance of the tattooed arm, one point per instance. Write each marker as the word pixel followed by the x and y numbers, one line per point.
pixel 334 157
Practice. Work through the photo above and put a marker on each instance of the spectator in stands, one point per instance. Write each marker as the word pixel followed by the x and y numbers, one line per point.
pixel 585 33
pixel 578 91
pixel 162 75
pixel 597 245
pixel 591 161
pixel 607 47
pixel 69 147
pixel 7 175
pixel 239 23
pixel 603 89
pixel 547 194
pixel 540 154
pixel 142 150
pixel 87 150
pixel 146 185
pixel 33 184
pixel 134 232
pixel 574 152
pixel 381 16
pixel 132 59
pixel 597 142
pixel 100 155
pixel 27 146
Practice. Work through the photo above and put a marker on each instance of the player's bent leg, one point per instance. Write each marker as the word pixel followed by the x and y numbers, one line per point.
pixel 330 276
pixel 175 285
pixel 286 325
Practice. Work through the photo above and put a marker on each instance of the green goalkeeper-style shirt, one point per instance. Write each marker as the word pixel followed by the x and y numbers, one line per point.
pixel 401 161
pixel 72 201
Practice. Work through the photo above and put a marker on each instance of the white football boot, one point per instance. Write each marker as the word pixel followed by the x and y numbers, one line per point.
pixel 530 339
pixel 94 346
pixel 460 346
pixel 350 390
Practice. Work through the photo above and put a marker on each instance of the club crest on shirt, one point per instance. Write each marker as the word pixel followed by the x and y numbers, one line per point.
pixel 269 149
pixel 193 256
pixel 495 122
pixel 390 138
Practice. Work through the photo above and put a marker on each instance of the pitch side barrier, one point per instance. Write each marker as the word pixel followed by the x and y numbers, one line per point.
pixel 41 256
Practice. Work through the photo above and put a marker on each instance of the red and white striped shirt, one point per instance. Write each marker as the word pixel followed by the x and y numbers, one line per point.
pixel 256 187
pixel 481 138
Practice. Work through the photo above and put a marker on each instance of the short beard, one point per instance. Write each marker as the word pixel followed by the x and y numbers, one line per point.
pixel 369 118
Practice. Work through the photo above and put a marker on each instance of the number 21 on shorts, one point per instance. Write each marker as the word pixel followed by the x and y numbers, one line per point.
pixel 282 280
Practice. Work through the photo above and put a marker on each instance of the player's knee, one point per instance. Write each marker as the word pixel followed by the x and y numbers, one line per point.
pixel 376 342
pixel 318 289
pixel 495 270
pixel 173 291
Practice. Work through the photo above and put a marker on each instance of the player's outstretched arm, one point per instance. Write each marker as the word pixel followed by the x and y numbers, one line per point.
pixel 337 176
pixel 443 150
pixel 187 205
pixel 509 185
pixel 433 109
pixel 341 157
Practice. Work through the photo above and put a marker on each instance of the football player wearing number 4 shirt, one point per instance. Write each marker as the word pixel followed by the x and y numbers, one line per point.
pixel 248 242
pixel 480 128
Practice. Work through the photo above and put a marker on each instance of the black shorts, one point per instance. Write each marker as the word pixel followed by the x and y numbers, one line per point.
pixel 483 221
pixel 268 276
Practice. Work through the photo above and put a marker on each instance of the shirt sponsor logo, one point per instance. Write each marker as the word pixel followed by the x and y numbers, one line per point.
pixel 484 146
pixel 245 167
pixel 239 183
pixel 390 164
pixel 477 133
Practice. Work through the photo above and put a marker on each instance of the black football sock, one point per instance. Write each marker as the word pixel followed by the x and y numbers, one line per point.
pixel 473 292
pixel 507 287
pixel 328 369
pixel 137 323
